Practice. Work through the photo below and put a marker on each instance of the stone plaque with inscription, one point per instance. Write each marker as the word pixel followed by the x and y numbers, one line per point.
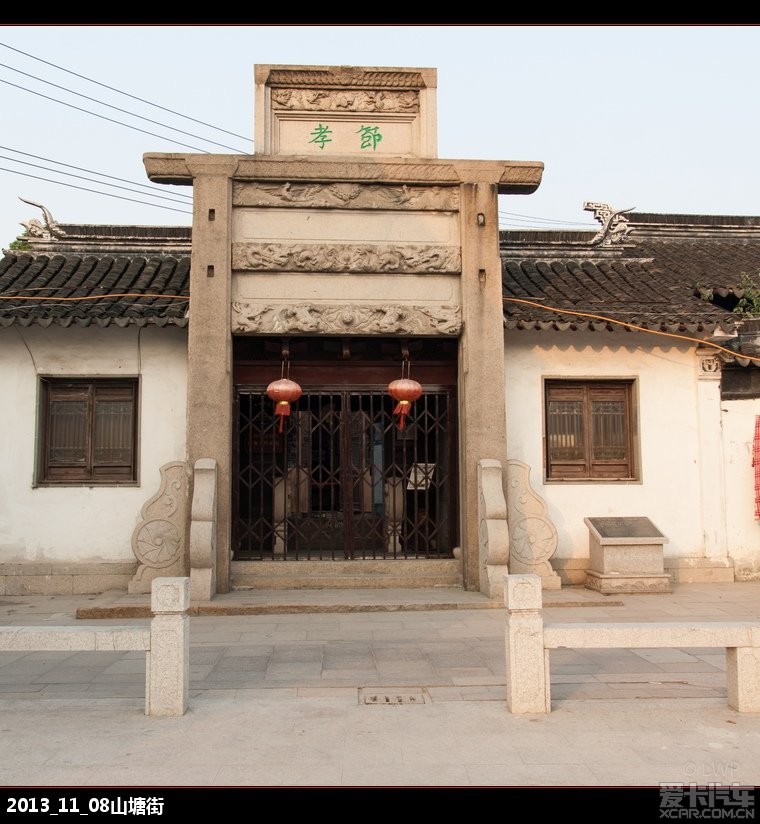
pixel 626 528
pixel 626 555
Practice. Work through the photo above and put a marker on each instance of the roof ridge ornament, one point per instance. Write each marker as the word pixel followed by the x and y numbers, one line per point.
pixel 615 228
pixel 34 228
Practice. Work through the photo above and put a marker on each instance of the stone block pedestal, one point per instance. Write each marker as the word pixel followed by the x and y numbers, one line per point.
pixel 626 555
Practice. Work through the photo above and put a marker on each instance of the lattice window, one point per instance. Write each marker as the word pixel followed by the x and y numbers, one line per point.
pixel 589 429
pixel 88 431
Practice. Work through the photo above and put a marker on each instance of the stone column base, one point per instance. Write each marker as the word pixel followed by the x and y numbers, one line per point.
pixel 616 583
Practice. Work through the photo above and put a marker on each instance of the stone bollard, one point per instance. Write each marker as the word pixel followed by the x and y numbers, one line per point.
pixel 743 676
pixel 527 660
pixel 167 673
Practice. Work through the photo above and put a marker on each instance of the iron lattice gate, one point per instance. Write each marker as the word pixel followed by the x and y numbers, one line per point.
pixel 342 480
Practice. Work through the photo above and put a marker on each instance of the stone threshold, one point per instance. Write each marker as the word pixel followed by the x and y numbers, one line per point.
pixel 238 608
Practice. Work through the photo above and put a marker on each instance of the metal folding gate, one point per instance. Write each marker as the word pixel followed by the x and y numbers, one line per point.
pixel 343 480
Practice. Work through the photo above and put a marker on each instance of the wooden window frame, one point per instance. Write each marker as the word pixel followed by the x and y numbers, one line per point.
pixel 586 468
pixel 87 471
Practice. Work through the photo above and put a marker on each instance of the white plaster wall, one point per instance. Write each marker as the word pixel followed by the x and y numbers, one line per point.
pixel 743 531
pixel 669 491
pixel 81 523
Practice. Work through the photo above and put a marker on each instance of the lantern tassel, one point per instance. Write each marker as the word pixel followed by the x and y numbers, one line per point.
pixel 404 391
pixel 282 410
pixel 403 408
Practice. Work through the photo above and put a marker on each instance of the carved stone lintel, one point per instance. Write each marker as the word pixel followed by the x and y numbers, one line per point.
pixel 532 536
pixel 493 530
pixel 345 196
pixel 346 77
pixel 346 320
pixel 345 100
pixel 511 176
pixel 345 257
pixel 158 540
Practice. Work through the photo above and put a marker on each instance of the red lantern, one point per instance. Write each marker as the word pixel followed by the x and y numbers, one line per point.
pixel 405 391
pixel 283 392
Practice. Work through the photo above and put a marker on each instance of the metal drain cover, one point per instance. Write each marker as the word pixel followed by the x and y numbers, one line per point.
pixel 388 697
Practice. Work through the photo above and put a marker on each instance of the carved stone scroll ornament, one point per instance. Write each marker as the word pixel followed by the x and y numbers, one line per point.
pixel 34 228
pixel 709 366
pixel 615 228
pixel 345 196
pixel 493 530
pixel 314 257
pixel 350 319
pixel 532 536
pixel 349 100
pixel 158 540
pixel 203 531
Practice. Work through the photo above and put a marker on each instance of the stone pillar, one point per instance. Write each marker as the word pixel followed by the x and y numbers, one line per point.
pixel 209 374
pixel 743 678
pixel 528 688
pixel 167 673
pixel 482 405
pixel 711 456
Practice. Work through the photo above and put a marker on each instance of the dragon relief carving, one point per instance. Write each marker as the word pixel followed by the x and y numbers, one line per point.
pixel 346 196
pixel 386 319
pixel 308 257
pixel 335 100
pixel 615 228
pixel 34 228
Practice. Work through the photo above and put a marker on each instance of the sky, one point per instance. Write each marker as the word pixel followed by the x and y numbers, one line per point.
pixel 656 118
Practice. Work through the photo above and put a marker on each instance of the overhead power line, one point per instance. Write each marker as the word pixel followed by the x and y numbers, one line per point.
pixel 90 180
pixel 95 191
pixel 124 111
pixel 126 94
pixel 512 217
pixel 506 216
pixel 103 117
pixel 149 186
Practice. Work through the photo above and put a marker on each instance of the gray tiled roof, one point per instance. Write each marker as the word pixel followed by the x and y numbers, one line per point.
pixel 102 289
pixel 656 278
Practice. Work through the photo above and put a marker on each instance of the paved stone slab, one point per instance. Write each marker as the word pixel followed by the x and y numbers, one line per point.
pixel 607 739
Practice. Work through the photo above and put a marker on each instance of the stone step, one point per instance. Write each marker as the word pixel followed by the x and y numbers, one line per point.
pixel 378 574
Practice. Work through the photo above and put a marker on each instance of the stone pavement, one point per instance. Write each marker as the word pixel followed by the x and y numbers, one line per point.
pixel 389 688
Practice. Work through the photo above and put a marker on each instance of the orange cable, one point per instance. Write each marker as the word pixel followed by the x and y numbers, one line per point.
pixel 632 326
pixel 95 297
